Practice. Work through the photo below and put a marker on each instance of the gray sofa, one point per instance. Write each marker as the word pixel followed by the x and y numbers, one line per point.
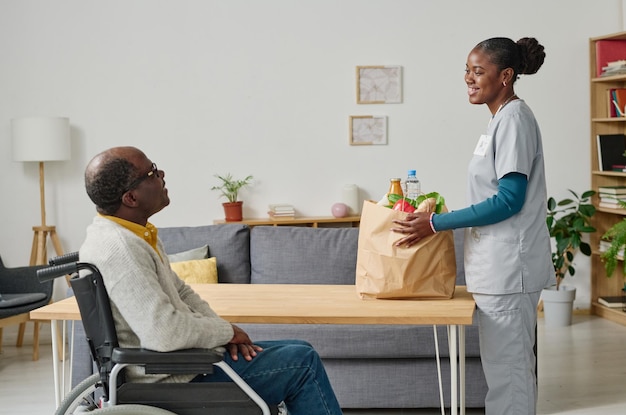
pixel 370 366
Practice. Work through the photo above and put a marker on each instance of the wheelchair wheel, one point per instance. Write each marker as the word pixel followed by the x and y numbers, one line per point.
pixel 80 400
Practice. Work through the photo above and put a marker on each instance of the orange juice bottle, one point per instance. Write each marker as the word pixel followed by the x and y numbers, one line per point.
pixel 395 187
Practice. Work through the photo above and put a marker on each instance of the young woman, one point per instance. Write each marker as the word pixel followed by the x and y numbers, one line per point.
pixel 507 245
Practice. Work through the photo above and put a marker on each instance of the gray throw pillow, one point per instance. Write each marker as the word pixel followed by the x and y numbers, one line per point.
pixel 192 254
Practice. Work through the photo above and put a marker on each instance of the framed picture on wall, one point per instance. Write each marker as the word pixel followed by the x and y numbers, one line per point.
pixel 379 84
pixel 368 130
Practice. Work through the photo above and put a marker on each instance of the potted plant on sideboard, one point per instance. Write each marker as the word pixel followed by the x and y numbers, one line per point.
pixel 230 187
pixel 567 221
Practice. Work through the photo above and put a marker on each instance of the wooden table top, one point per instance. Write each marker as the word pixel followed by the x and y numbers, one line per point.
pixel 306 304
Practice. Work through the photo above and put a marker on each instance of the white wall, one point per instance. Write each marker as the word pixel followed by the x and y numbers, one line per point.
pixel 266 88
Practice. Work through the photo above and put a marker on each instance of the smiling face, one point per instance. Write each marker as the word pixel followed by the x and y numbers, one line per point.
pixel 486 84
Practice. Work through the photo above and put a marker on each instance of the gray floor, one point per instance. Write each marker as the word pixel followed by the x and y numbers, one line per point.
pixel 582 371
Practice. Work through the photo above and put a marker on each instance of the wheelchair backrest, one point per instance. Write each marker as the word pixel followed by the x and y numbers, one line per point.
pixel 95 311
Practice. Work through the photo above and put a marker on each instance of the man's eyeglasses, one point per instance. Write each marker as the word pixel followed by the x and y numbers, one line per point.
pixel 154 172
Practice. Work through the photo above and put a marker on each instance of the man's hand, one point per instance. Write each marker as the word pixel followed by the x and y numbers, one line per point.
pixel 241 343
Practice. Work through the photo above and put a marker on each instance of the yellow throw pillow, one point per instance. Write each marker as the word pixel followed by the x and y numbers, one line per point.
pixel 197 271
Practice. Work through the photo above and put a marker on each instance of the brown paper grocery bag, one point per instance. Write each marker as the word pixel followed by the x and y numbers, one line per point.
pixel 426 270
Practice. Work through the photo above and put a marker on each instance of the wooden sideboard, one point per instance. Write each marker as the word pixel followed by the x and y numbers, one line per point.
pixel 311 221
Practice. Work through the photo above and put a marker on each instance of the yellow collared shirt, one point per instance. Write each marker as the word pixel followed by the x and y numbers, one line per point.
pixel 148 233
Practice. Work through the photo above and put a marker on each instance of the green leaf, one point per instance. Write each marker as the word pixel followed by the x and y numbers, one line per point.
pixel 587 210
pixel 393 198
pixel 585 248
pixel 588 194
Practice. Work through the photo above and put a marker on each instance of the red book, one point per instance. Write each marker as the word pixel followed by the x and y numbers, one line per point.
pixel 609 51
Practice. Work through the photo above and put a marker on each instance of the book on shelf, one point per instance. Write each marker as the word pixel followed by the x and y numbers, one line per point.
pixel 274 216
pixel 285 213
pixel 611 198
pixel 281 207
pixel 603 245
pixel 616 102
pixel 612 190
pixel 611 148
pixel 610 205
pixel 615 301
pixel 609 51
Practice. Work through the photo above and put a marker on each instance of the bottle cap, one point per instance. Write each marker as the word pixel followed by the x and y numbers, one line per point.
pixel 412 172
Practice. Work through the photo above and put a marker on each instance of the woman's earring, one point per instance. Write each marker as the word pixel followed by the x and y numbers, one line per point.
pixel 504 83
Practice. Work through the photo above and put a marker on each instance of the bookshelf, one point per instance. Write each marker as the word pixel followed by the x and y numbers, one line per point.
pixel 603 123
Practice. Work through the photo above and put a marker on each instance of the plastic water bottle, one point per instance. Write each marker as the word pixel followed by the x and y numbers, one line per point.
pixel 412 186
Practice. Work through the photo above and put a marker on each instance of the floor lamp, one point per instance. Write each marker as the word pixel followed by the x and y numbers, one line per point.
pixel 41 139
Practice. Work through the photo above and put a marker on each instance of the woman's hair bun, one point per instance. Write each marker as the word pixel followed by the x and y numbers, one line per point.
pixel 532 55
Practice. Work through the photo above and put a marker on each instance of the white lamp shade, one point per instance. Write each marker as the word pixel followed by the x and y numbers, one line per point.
pixel 40 138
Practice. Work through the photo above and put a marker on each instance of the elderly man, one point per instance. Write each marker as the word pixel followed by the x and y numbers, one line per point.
pixel 155 309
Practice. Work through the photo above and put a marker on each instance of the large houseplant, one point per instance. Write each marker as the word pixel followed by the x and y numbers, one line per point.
pixel 568 220
pixel 229 188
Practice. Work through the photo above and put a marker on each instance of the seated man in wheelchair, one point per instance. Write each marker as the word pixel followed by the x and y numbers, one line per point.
pixel 154 309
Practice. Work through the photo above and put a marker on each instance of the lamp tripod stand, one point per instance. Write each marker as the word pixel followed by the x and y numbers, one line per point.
pixel 39 252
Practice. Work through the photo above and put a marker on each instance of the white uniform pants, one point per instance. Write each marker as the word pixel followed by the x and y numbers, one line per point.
pixel 507 336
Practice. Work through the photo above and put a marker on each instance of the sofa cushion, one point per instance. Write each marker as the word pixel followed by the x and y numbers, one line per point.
pixel 302 255
pixel 228 243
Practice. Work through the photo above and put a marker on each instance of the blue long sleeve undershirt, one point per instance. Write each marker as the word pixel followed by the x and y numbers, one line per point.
pixel 506 203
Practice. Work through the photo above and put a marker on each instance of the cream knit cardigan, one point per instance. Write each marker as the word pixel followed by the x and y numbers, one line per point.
pixel 152 307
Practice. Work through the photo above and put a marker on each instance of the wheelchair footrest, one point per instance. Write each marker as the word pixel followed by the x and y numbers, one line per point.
pixel 215 398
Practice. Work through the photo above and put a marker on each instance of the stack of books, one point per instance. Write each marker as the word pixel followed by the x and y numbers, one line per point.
pixel 614 68
pixel 605 245
pixel 281 211
pixel 616 301
pixel 610 196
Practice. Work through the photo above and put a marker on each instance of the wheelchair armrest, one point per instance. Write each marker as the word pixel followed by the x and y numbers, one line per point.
pixel 187 361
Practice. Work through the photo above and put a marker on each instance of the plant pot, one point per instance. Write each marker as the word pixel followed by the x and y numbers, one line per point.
pixel 233 211
pixel 558 305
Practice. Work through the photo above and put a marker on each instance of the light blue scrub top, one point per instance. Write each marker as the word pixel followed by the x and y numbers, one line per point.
pixel 514 255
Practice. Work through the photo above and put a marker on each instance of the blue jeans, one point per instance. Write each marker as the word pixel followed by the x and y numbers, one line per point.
pixel 287 371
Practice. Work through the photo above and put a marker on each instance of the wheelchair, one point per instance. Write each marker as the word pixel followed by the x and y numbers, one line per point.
pixel 107 392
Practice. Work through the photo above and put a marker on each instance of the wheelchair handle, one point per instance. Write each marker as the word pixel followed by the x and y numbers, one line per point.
pixel 55 271
pixel 64 259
